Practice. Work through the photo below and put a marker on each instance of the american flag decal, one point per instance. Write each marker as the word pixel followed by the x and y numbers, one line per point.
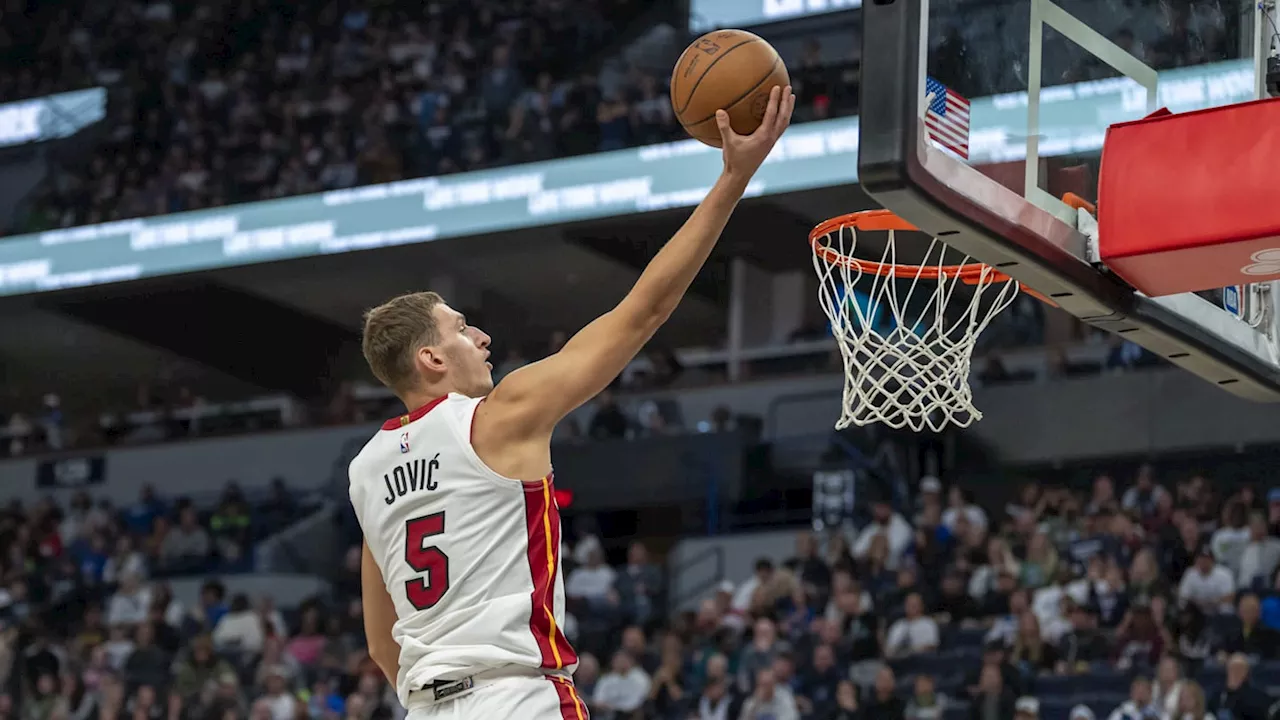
pixel 947 117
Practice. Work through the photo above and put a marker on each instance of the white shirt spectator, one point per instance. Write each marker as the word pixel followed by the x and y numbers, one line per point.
pixel 283 706
pixel 129 608
pixel 1166 699
pixel 1129 710
pixel 1004 631
pixel 782 706
pixel 898 533
pixel 1259 559
pixel 591 583
pixel 1046 603
pixel 907 637
pixel 977 517
pixel 239 631
pixel 118 651
pixel 115 569
pixel 1207 590
pixel 1228 545
pixel 741 601
pixel 624 693
pixel 582 551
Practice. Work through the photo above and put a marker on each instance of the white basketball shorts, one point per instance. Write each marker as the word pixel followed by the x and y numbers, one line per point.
pixel 546 697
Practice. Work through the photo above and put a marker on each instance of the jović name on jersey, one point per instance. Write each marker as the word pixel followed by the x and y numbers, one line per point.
pixel 410 477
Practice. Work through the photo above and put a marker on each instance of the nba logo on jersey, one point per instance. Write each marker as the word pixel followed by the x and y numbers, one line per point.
pixel 404 443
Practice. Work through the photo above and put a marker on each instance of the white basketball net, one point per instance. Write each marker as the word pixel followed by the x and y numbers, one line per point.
pixel 906 358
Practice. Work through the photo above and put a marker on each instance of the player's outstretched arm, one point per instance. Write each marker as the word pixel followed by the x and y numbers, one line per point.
pixel 531 400
pixel 379 616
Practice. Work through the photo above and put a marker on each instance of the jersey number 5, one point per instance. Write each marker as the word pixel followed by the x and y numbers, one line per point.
pixel 425 592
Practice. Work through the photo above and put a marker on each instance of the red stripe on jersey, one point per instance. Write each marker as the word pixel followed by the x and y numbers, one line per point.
pixel 543 522
pixel 571 706
pixel 561 642
pixel 399 422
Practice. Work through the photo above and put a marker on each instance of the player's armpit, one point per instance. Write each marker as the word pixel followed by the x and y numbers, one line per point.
pixel 379 617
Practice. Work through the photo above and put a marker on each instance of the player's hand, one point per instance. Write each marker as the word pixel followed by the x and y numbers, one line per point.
pixel 743 154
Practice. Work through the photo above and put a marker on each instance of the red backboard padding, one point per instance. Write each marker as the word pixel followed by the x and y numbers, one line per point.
pixel 1187 202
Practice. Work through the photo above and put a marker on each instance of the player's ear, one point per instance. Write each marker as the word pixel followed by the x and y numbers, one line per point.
pixel 430 359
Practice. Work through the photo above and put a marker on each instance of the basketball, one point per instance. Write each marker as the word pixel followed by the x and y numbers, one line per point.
pixel 730 70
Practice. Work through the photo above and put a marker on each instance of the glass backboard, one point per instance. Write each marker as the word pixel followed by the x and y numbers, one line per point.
pixel 979 116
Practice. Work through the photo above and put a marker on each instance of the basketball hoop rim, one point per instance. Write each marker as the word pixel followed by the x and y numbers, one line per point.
pixel 886 220
pixel 975 273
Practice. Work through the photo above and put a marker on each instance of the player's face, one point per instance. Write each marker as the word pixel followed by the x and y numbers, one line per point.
pixel 466 352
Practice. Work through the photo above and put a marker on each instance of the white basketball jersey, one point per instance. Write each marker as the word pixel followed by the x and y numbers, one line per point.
pixel 471 558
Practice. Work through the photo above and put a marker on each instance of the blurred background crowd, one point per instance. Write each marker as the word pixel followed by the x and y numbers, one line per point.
pixel 1135 599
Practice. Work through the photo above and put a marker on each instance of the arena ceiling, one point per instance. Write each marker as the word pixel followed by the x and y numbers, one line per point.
pixel 279 326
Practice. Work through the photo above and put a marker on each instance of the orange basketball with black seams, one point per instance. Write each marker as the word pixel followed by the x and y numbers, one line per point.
pixel 730 70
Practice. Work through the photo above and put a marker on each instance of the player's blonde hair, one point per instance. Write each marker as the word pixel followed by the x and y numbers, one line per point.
pixel 394 331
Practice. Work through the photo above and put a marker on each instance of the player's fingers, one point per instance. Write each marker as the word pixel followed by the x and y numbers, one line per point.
pixel 789 110
pixel 771 110
pixel 786 105
pixel 726 130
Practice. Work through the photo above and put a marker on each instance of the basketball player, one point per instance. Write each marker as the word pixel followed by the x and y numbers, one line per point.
pixel 463 599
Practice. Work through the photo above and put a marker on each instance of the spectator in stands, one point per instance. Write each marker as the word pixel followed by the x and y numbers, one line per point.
pixel 307 646
pixel 130 602
pixel 925 703
pixel 669 693
pixel 1140 641
pixel 744 597
pixel 280 507
pixel 1083 644
pixel 608 422
pixel 140 517
pixel 1248 636
pixel 846 702
pixel 1260 556
pixel 895 530
pixel 1240 698
pixel 1026 708
pixel 640 584
pixel 240 629
pixel 1145 580
pixel 186 546
pixel 636 645
pixel 281 703
pixel 817 686
pixel 764 648
pixel 1167 687
pixel 1191 703
pixel 231 524
pixel 1030 653
pixel 622 690
pixel 716 702
pixel 882 701
pixel 1145 496
pixel 960 503
pixel 198 667
pixel 593 582
pixel 1207 585
pixel 1139 706
pixel 147 664
pixel 914 634
pixel 1229 540
pixel 770 700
